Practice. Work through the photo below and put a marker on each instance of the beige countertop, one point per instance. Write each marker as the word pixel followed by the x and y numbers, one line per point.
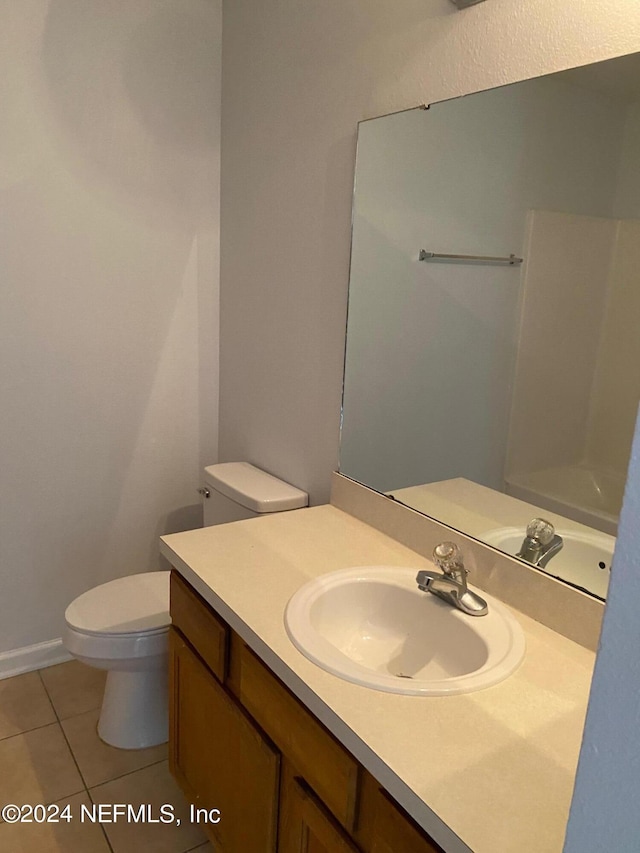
pixel 490 771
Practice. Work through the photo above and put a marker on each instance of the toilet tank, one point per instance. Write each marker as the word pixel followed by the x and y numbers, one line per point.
pixel 237 490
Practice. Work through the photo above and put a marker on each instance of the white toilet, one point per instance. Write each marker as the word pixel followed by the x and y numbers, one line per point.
pixel 122 626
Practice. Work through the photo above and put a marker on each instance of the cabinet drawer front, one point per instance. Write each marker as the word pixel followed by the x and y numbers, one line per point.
pixel 194 619
pixel 328 768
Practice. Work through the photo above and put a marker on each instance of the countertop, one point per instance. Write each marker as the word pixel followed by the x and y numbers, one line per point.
pixel 491 771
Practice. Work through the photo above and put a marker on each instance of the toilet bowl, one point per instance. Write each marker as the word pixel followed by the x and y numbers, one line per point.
pixel 123 625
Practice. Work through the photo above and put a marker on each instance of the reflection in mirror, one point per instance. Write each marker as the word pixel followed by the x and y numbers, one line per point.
pixel 485 393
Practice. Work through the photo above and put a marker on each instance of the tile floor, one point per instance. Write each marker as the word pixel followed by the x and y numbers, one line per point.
pixel 50 753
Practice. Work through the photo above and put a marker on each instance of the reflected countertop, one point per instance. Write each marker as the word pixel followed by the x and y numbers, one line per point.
pixel 478 510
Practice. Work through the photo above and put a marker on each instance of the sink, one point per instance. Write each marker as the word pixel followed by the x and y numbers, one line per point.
pixel 373 626
pixel 584 561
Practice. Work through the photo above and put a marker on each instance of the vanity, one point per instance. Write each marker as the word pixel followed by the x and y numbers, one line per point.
pixel 298 759
pixel 490 395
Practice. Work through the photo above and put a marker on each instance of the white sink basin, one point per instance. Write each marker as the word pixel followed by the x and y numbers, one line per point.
pixel 584 561
pixel 373 626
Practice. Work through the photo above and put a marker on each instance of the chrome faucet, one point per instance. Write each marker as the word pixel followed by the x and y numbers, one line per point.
pixel 540 544
pixel 451 585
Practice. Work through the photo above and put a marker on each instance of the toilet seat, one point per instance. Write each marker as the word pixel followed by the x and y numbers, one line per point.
pixel 98 649
pixel 126 608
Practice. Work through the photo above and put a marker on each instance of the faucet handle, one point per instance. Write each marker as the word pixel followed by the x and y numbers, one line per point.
pixel 448 557
pixel 541 529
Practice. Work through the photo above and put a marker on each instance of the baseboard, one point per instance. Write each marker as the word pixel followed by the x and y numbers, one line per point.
pixel 28 658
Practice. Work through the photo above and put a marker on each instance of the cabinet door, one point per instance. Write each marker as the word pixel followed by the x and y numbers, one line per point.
pixel 317 756
pixel 219 757
pixel 395 832
pixel 305 825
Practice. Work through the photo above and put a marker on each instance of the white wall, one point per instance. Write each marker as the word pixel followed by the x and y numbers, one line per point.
pixel 108 273
pixel 297 79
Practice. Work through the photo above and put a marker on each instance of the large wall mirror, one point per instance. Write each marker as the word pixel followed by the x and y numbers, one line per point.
pixel 501 384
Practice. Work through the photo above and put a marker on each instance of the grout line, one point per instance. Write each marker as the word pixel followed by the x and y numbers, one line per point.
pixel 104 832
pixel 84 781
pixel 44 725
pixel 64 735
pixel 113 778
pixel 122 775
pixel 44 687
pixel 199 845
pixel 55 710
pixel 129 773
pixel 28 731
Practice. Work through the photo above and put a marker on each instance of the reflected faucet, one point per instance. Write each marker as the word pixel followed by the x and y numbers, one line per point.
pixel 540 544
pixel 451 585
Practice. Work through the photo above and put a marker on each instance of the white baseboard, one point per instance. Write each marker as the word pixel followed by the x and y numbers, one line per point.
pixel 28 658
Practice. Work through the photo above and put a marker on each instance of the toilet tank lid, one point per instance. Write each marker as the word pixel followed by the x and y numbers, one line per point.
pixel 252 488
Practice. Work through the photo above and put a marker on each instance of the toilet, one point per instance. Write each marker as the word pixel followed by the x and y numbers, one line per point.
pixel 122 626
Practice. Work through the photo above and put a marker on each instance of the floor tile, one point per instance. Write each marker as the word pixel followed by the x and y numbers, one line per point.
pixel 24 705
pixel 99 762
pixel 74 836
pixel 37 767
pixel 153 786
pixel 74 688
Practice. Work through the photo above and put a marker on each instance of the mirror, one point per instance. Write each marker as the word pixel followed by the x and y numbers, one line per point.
pixel 483 391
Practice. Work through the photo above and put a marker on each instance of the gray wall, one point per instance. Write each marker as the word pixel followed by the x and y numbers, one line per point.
pixel 297 79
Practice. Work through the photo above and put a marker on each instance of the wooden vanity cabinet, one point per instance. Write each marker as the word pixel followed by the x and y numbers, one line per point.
pixel 241 742
pixel 220 758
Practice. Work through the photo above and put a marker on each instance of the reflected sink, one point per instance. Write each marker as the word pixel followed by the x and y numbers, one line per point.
pixel 584 561
pixel 374 627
